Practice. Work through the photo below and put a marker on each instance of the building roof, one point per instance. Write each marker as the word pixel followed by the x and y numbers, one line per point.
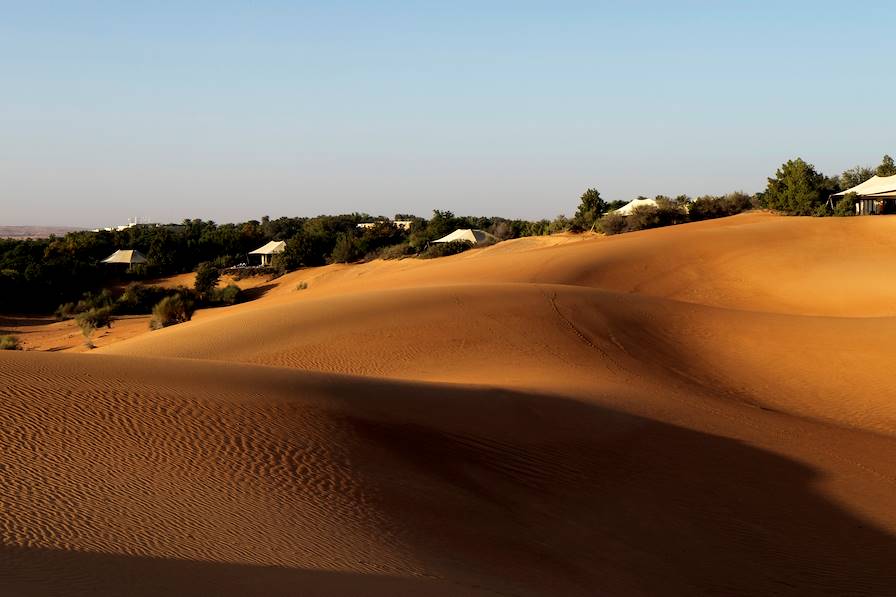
pixel 128 256
pixel 631 205
pixel 275 246
pixel 470 235
pixel 876 186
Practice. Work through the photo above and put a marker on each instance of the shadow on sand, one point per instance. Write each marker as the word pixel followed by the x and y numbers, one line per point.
pixel 526 494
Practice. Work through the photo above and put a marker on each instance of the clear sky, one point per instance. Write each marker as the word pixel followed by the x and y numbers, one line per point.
pixel 234 110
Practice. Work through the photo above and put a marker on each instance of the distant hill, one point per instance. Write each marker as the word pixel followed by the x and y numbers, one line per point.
pixel 35 231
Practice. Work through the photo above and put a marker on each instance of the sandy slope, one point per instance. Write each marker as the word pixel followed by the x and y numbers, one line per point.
pixel 704 409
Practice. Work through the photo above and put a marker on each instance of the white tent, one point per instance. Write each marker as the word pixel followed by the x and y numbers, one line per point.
pixel 873 193
pixel 473 236
pixel 126 256
pixel 270 249
pixel 631 205
pixel 876 186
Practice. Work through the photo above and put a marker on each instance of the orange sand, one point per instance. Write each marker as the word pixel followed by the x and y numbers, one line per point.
pixel 703 409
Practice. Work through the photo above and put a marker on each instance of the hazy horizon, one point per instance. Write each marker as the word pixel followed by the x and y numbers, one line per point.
pixel 231 113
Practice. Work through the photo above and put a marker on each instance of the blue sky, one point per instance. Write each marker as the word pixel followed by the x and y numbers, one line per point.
pixel 230 111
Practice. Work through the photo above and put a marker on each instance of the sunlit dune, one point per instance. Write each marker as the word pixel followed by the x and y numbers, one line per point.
pixel 698 409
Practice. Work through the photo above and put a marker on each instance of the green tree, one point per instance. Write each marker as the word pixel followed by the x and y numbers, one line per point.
pixel 855 176
pixel 591 208
pixel 346 249
pixel 207 276
pixel 887 167
pixel 797 189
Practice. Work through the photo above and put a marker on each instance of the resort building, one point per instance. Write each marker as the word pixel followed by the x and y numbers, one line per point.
pixel 470 235
pixel 268 251
pixel 877 195
pixel 126 257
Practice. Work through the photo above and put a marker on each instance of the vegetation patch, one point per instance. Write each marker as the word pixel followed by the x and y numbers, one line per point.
pixel 9 342
pixel 171 310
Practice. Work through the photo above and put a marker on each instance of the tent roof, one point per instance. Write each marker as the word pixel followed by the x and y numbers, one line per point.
pixel 876 186
pixel 628 207
pixel 469 235
pixel 129 256
pixel 275 246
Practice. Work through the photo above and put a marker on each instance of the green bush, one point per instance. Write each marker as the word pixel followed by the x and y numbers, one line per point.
pixel 446 249
pixel 612 223
pixel 171 310
pixel 394 252
pixel 228 295
pixel 346 249
pixel 643 217
pixel 89 301
pixel 207 276
pixel 138 298
pixel 9 343
pixel 846 206
pixel 89 321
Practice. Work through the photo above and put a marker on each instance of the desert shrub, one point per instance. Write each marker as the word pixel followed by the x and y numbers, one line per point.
pixel 207 276
pixel 706 208
pixel 302 285
pixel 846 206
pixel 671 211
pixel 346 249
pixel 823 210
pixel 612 223
pixel 94 318
pixel 228 295
pixel 642 217
pixel 171 310
pixel 101 300
pixel 394 251
pixel 9 342
pixel 138 298
pixel 445 249
pixel 559 224
pixel 89 321
pixel 65 311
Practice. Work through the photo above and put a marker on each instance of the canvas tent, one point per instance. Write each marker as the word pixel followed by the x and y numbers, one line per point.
pixel 875 195
pixel 268 251
pixel 126 256
pixel 631 205
pixel 470 235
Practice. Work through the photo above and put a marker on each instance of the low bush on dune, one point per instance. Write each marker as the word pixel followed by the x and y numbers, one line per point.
pixel 207 276
pixel 139 298
pixel 393 252
pixel 228 295
pixel 90 301
pixel 171 310
pixel 446 249
pixel 612 223
pixel 9 343
pixel 91 320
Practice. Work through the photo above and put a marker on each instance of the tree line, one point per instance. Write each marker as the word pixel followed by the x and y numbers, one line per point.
pixel 40 275
pixel 797 188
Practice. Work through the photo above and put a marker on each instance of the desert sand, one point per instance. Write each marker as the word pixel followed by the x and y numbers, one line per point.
pixel 701 409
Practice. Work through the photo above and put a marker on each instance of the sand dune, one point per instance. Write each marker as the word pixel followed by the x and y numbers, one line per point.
pixel 703 409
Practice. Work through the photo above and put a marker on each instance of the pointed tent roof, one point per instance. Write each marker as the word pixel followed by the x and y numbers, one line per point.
pixel 876 186
pixel 275 246
pixel 127 256
pixel 469 235
pixel 631 205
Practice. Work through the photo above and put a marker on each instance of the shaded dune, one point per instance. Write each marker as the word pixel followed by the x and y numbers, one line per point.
pixel 230 470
